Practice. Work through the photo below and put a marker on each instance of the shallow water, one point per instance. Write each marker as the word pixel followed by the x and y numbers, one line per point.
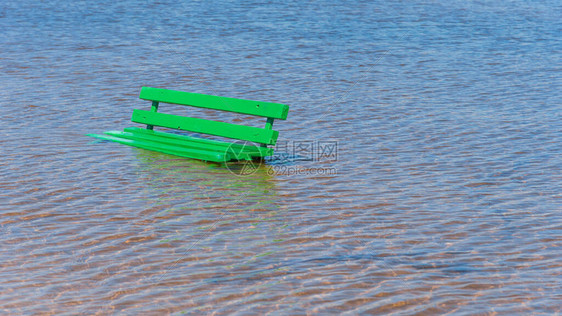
pixel 432 184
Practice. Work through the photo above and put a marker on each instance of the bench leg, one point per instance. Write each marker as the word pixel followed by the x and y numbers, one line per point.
pixel 153 108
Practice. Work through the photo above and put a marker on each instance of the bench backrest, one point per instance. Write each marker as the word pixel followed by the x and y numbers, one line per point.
pixel 264 135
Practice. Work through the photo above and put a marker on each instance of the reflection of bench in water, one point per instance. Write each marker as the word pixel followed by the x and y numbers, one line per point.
pixel 196 147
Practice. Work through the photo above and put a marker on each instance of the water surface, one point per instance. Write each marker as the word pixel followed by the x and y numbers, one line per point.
pixel 432 184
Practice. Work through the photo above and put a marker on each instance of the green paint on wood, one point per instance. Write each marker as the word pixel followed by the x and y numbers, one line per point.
pixel 196 147
pixel 153 108
pixel 195 141
pixel 197 125
pixel 169 149
pixel 258 108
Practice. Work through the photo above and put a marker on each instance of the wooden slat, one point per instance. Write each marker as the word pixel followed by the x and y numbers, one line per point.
pixel 265 109
pixel 197 125
pixel 168 149
pixel 187 145
pixel 196 142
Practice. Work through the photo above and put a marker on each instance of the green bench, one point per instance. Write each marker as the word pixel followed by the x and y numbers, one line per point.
pixel 198 147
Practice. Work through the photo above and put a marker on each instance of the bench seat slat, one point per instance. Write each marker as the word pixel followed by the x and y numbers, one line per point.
pixel 265 109
pixel 168 149
pixel 189 145
pixel 241 132
pixel 196 142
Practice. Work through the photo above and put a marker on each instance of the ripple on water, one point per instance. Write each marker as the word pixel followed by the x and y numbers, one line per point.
pixel 441 194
